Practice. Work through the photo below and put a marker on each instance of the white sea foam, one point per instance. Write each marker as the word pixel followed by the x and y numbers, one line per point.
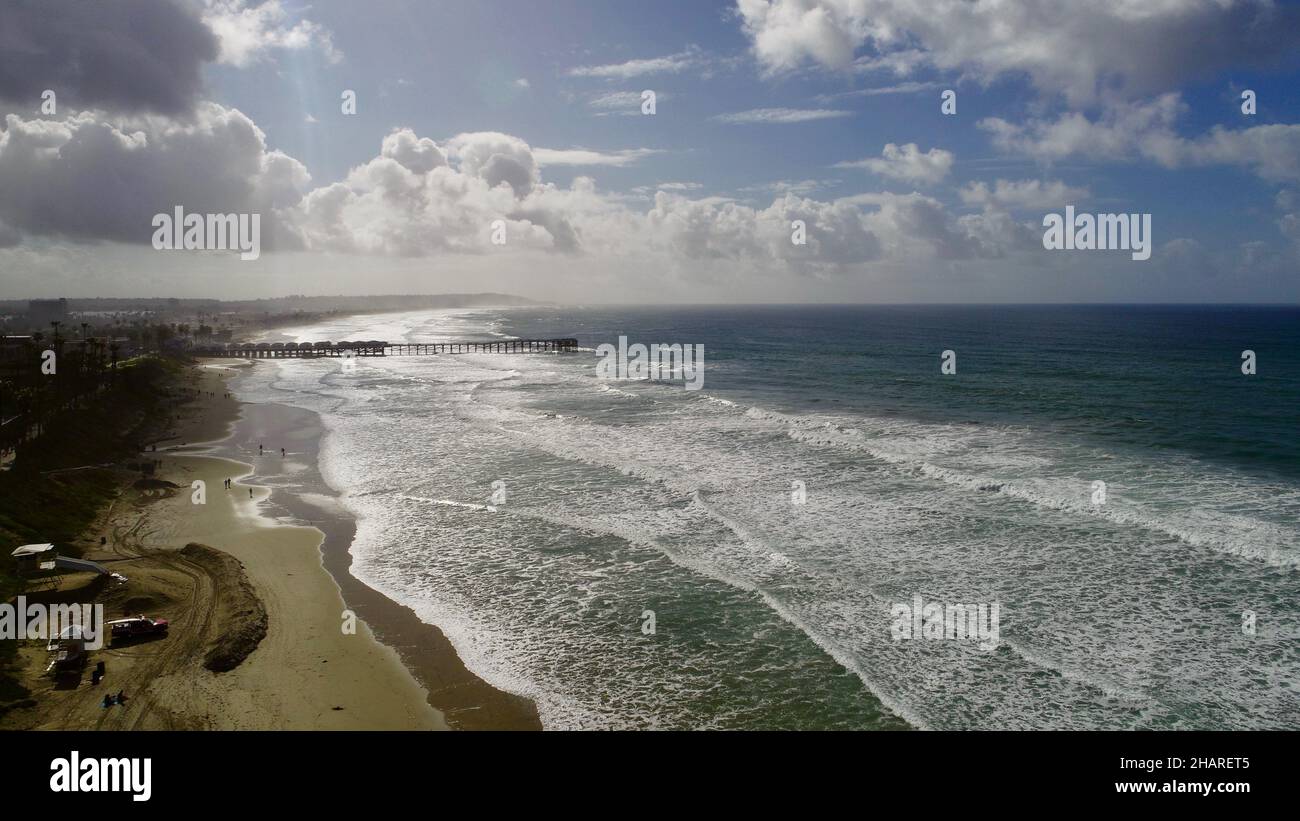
pixel 1122 615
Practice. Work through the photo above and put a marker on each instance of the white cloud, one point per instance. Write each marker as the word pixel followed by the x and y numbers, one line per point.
pixel 418 154
pixel 247 32
pixel 786 32
pixel 907 163
pixel 496 158
pixel 421 198
pixel 910 87
pixel 582 156
pixel 1288 204
pixel 669 64
pixel 667 186
pixel 417 199
pixel 615 100
pixel 781 115
pixel 1083 50
pixel 1129 131
pixel 623 103
pixel 719 229
pixel 1023 194
pixel 901 63
pixel 800 188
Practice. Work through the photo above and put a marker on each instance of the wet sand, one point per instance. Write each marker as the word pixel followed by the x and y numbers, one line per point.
pixel 307 672
pixel 300 494
pixel 285 525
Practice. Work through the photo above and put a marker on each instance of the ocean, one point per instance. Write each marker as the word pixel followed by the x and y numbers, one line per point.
pixel 631 554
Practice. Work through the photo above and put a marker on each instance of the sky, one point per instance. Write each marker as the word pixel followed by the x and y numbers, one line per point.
pixel 502 145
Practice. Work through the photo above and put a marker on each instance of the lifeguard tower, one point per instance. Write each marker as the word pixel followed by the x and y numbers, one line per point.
pixel 40 562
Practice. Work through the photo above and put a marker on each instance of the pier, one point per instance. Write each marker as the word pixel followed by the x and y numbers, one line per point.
pixel 280 350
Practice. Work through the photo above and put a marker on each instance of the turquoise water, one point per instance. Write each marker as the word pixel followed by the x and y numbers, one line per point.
pixel 971 488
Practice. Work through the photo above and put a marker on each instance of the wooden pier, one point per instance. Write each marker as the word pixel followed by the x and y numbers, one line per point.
pixel 281 350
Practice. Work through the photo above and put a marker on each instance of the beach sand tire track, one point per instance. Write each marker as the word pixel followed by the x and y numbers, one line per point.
pixel 192 631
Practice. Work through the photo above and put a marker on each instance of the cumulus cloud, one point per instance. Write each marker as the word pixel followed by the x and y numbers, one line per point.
pixel 248 31
pixel 496 158
pixel 993 233
pixel 1145 130
pixel 842 234
pixel 907 163
pixel 418 154
pixel 781 115
pixel 121 55
pixel 837 234
pixel 785 33
pixel 90 179
pixel 913 227
pixel 1083 51
pixel 87 178
pixel 1023 194
pixel 418 198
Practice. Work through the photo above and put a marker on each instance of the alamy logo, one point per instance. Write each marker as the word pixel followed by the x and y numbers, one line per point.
pixel 55 621
pixel 972 622
pixel 77 774
pixel 660 362
pixel 209 232
pixel 1103 232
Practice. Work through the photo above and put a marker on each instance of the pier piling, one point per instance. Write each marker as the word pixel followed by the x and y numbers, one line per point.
pixel 300 350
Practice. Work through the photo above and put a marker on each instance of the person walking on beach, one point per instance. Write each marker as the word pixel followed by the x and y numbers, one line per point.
pixel 281 453
pixel 259 450
pixel 250 493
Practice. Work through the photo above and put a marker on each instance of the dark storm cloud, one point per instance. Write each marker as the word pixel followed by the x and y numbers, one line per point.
pixel 83 179
pixel 123 55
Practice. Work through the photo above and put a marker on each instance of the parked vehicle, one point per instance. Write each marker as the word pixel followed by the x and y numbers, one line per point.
pixel 138 626
pixel 68 651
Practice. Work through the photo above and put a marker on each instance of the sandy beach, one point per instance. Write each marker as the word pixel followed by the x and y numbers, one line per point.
pixel 319 664
pixel 300 494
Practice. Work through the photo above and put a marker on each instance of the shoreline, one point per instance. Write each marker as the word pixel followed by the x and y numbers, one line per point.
pixel 238 568
pixel 284 683
pixel 299 493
